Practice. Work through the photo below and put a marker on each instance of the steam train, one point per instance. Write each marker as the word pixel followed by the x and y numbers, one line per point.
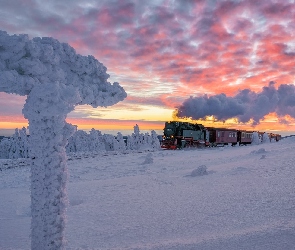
pixel 185 134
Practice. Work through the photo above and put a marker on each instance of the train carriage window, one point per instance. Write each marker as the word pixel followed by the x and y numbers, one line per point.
pixel 222 134
pixel 234 134
pixel 243 134
pixel 218 134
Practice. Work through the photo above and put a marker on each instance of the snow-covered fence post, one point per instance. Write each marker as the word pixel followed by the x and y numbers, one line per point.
pixel 55 79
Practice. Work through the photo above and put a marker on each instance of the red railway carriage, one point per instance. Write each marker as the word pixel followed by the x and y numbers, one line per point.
pixel 274 137
pixel 222 136
pixel 245 137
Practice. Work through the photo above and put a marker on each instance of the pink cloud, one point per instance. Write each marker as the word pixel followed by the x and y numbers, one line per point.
pixel 192 46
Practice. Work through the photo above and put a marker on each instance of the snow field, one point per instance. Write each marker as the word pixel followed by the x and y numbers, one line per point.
pixel 245 201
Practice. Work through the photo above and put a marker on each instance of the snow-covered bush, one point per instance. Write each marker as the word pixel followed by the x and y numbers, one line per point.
pixel 148 159
pixel 200 171
pixel 259 151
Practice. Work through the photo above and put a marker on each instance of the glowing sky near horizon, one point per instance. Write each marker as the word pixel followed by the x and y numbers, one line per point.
pixel 163 51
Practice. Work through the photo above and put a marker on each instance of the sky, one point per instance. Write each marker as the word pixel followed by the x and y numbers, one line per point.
pixel 167 52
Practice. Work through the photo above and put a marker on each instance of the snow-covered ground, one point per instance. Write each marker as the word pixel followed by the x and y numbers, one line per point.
pixel 229 198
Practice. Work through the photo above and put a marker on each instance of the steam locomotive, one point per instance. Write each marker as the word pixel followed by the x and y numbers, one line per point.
pixel 185 134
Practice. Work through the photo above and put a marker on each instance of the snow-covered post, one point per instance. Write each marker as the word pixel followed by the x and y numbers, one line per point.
pixel 55 79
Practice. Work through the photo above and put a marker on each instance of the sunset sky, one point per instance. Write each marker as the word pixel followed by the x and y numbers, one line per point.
pixel 164 52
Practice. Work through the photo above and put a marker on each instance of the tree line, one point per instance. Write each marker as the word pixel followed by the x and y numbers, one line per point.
pixel 18 145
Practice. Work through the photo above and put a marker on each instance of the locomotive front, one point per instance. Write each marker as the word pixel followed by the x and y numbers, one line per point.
pixel 183 134
pixel 169 137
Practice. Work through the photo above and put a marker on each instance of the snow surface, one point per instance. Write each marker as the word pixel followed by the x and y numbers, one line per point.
pixel 159 199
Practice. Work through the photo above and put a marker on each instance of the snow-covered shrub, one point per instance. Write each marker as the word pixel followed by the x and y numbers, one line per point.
pixel 200 171
pixel 148 159
pixel 259 151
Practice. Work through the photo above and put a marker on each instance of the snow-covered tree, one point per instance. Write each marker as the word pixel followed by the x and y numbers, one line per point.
pixel 5 144
pixel 55 79
pixel 96 140
pixel 109 141
pixel 121 145
pixel 255 138
pixel 135 140
pixel 14 151
pixel 155 143
pixel 130 143
pixel 24 143
pixel 81 141
pixel 265 138
pixel 140 141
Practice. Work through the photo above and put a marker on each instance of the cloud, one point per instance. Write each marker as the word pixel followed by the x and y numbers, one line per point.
pixel 191 47
pixel 247 105
pixel 11 104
